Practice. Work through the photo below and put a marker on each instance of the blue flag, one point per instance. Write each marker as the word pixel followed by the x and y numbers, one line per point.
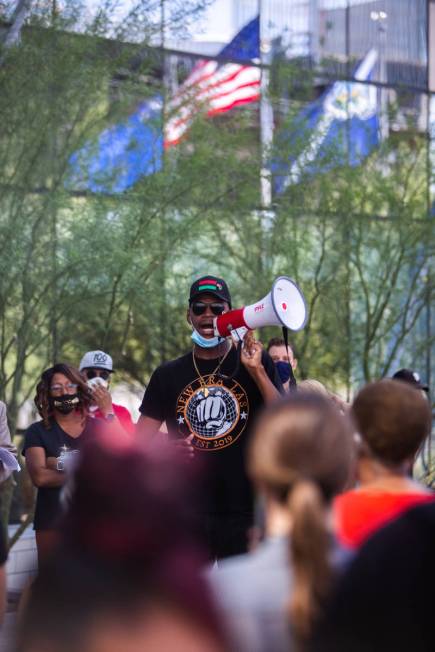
pixel 245 46
pixel 122 154
pixel 342 127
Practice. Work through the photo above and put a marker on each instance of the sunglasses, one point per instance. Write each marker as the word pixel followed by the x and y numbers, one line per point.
pixel 199 308
pixel 100 373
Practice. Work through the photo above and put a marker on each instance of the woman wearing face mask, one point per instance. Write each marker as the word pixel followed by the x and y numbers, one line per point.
pixel 62 399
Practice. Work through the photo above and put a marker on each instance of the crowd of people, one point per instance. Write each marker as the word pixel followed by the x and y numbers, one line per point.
pixel 268 515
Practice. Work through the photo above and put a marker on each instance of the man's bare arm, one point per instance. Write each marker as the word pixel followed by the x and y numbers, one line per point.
pixel 251 359
pixel 147 428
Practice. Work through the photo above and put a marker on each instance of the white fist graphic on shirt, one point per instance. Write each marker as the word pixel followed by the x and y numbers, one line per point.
pixel 211 411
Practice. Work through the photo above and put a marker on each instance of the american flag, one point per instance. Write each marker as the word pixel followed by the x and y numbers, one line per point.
pixel 125 152
pixel 213 88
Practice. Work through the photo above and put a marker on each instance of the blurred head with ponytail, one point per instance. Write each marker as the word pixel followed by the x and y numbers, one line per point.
pixel 300 458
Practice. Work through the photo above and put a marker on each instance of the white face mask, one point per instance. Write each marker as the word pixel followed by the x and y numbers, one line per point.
pixel 94 382
pixel 205 342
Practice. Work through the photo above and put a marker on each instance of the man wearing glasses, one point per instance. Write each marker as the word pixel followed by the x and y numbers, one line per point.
pixel 208 398
pixel 97 368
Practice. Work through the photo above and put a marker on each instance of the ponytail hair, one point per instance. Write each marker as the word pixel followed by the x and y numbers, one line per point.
pixel 301 455
pixel 309 552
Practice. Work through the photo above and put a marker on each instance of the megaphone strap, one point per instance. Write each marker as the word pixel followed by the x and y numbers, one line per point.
pixel 292 379
pixel 285 337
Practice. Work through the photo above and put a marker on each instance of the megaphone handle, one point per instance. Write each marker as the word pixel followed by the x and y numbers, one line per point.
pixel 238 334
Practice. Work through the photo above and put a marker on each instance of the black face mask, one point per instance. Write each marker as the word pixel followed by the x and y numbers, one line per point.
pixel 64 404
pixel 284 370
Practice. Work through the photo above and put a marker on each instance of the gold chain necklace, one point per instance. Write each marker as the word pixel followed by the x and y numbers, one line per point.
pixel 201 379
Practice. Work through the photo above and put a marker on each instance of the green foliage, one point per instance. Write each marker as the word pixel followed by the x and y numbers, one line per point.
pixel 362 244
pixel 81 270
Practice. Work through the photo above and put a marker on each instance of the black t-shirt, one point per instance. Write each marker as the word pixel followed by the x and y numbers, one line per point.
pixel 385 599
pixel 52 440
pixel 220 419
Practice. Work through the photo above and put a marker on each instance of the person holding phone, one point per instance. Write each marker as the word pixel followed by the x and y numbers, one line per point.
pixel 97 368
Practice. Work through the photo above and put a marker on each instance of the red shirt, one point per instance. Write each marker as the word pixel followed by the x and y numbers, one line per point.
pixel 123 415
pixel 359 513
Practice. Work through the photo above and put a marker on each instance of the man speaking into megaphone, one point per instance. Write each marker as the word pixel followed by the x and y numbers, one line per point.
pixel 207 398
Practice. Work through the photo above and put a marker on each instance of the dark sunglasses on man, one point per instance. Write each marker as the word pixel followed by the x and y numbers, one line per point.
pixel 97 373
pixel 199 308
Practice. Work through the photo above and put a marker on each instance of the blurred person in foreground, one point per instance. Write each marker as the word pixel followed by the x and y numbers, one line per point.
pixel 392 420
pixel 285 361
pixel 300 458
pixel 208 398
pixel 312 386
pixel 62 400
pixel 384 601
pixel 125 575
pixel 97 368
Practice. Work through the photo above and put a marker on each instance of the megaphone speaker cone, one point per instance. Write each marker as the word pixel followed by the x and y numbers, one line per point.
pixel 289 303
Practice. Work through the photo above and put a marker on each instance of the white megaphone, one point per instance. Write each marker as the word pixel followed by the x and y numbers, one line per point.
pixel 283 306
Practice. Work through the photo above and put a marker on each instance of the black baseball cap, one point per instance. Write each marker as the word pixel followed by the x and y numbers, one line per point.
pixel 210 285
pixel 410 377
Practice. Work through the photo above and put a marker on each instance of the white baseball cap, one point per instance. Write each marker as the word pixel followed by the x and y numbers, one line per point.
pixel 96 360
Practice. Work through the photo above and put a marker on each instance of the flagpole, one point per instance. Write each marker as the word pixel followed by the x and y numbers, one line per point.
pixel 266 117
pixel 430 312
pixel 266 138
pixel 347 235
pixel 162 234
pixel 164 73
